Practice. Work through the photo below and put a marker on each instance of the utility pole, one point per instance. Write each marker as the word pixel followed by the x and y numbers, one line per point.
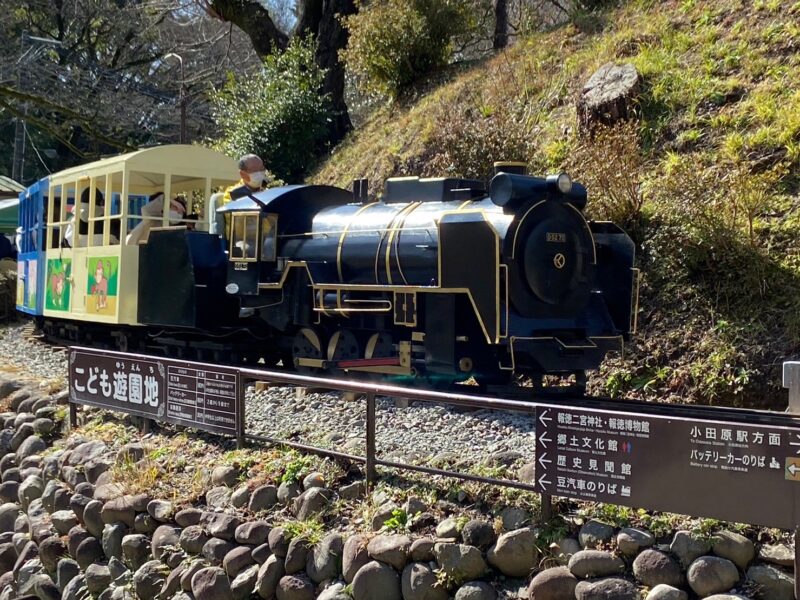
pixel 18 162
pixel 181 96
pixel 19 144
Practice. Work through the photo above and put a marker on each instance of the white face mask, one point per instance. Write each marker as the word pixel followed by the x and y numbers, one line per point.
pixel 174 217
pixel 256 178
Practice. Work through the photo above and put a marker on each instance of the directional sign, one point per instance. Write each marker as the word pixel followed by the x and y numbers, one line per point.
pixel 195 395
pixel 724 470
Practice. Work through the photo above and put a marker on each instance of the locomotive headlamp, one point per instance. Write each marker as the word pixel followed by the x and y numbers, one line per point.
pixel 564 183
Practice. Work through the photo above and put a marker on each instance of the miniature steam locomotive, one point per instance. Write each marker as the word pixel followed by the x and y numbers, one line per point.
pixel 438 280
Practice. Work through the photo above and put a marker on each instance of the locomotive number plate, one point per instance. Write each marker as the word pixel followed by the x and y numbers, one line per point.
pixel 240 266
pixel 556 237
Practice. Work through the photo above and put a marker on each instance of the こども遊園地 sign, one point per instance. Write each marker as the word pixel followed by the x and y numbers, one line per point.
pixel 197 395
pixel 726 470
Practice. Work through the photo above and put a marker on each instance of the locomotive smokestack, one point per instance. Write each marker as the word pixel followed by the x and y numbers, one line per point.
pixel 508 190
pixel 512 167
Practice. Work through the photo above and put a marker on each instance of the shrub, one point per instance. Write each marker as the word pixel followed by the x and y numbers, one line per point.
pixel 395 42
pixel 467 144
pixel 719 204
pixel 610 164
pixel 277 112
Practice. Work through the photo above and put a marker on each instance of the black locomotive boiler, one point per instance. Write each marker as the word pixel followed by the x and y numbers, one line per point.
pixel 437 280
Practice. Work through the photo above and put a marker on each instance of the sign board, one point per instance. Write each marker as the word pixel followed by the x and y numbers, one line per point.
pixel 203 396
pixel 724 470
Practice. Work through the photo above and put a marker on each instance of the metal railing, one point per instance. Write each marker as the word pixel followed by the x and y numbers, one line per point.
pixel 369 391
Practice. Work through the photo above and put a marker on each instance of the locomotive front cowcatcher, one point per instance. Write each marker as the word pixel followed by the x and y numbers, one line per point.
pixel 438 279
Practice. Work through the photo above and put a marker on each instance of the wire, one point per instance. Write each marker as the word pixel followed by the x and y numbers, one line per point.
pixel 35 149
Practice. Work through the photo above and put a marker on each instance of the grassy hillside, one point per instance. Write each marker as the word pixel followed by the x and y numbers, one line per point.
pixel 714 160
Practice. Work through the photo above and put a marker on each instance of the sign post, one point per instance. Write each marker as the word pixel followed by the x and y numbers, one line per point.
pixel 791 381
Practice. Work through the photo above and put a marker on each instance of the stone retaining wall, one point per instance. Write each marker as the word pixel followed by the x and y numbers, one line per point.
pixel 68 531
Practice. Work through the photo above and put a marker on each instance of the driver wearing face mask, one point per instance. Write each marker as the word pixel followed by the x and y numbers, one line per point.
pixel 252 178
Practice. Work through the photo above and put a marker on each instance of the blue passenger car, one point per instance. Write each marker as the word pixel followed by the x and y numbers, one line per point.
pixel 30 237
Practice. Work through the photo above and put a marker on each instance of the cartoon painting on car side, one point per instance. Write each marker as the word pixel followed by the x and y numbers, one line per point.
pixel 20 280
pixel 102 285
pixel 31 284
pixel 57 294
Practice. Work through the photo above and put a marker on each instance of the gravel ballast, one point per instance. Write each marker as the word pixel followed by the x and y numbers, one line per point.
pixel 422 434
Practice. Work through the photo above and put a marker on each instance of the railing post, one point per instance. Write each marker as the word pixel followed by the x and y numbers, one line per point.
pixel 240 404
pixel 73 414
pixel 547 507
pixel 371 474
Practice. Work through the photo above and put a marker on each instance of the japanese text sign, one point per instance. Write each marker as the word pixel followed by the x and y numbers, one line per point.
pixel 725 470
pixel 197 395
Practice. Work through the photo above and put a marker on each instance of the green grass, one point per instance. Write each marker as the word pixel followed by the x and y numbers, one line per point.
pixel 310 530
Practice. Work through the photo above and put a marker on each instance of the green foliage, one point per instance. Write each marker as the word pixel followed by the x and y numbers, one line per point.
pixel 241 459
pixel 60 414
pixel 707 527
pixel 720 370
pixel 621 380
pixel 393 43
pixel 398 522
pixel 618 381
pixel 278 112
pixel 552 532
pixel 470 143
pixel 161 452
pixel 461 522
pixel 618 516
pixel 445 580
pixel 310 530
pixel 659 524
pixel 717 204
pixel 610 164
pixel 295 469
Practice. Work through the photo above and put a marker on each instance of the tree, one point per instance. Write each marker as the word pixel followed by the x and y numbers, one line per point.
pixel 278 113
pixel 500 24
pixel 100 76
pixel 319 19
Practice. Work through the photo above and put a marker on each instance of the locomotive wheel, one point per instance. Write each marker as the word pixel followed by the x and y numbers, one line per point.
pixel 122 344
pixel 343 346
pixel 306 344
pixel 379 345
